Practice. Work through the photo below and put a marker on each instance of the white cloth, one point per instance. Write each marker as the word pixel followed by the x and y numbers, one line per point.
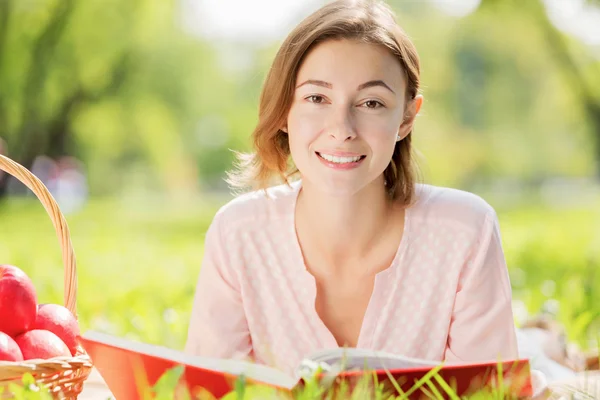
pixel 531 342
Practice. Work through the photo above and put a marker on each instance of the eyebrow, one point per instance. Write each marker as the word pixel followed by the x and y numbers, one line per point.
pixel 362 86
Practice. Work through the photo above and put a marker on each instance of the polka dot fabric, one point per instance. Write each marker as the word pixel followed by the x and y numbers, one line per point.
pixel 446 295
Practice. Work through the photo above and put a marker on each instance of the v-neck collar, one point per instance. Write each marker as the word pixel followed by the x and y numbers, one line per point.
pixel 383 280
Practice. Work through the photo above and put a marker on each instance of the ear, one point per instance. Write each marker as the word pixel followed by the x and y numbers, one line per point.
pixel 284 129
pixel 412 110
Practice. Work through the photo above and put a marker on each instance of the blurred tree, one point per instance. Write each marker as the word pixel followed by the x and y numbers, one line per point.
pixel 580 70
pixel 496 109
pixel 38 126
pixel 115 83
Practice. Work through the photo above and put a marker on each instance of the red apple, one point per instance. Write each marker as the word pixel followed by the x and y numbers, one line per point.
pixel 60 321
pixel 9 349
pixel 39 343
pixel 18 301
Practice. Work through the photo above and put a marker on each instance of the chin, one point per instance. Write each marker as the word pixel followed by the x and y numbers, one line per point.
pixel 339 183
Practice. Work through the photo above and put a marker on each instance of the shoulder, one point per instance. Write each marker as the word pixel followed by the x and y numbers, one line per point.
pixel 257 207
pixel 450 206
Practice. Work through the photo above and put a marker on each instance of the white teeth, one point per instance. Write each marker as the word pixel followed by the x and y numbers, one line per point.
pixel 340 160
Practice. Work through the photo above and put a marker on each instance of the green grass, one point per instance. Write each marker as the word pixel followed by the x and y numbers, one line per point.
pixel 170 386
pixel 554 257
pixel 138 262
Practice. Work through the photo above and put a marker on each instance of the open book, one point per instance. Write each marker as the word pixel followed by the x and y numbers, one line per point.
pixel 120 362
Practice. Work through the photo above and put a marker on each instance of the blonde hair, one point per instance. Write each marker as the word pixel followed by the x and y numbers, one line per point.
pixel 369 21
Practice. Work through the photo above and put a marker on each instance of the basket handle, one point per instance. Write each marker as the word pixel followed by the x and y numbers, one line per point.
pixel 59 222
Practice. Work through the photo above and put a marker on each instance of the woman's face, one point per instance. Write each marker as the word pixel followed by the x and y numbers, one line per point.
pixel 347 114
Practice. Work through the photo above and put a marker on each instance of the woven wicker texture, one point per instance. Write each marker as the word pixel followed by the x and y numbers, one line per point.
pixel 64 376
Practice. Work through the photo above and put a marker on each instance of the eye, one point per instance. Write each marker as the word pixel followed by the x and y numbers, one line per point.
pixel 373 104
pixel 315 98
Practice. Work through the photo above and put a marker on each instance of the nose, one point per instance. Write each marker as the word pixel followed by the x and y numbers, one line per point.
pixel 341 126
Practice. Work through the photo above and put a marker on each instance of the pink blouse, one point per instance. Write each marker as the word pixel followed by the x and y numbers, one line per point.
pixel 446 295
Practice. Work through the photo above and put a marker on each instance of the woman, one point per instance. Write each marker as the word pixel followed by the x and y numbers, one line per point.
pixel 348 250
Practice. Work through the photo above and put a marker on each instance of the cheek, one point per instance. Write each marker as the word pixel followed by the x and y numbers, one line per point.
pixel 380 135
pixel 303 126
pixel 383 146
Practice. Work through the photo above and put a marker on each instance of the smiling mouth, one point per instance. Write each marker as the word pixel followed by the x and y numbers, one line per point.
pixel 340 159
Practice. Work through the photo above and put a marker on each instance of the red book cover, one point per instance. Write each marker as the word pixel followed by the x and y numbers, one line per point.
pixel 126 366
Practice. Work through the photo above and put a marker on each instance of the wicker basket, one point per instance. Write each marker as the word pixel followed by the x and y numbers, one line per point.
pixel 64 376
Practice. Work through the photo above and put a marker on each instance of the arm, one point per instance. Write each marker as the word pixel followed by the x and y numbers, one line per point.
pixel 482 326
pixel 218 326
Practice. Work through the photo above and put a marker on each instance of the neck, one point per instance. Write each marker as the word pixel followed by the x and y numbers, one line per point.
pixel 344 228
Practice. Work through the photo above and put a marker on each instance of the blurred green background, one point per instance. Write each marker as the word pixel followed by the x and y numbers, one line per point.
pixel 129 110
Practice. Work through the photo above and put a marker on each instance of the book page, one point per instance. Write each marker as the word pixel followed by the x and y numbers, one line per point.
pixel 339 359
pixel 250 370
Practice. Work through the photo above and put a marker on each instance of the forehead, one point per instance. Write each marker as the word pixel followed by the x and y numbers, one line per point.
pixel 349 62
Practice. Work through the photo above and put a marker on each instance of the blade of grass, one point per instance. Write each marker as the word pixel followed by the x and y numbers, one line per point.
pixel 421 382
pixel 449 391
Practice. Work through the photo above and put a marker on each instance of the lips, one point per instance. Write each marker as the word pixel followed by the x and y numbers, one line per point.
pixel 341 161
pixel 340 158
